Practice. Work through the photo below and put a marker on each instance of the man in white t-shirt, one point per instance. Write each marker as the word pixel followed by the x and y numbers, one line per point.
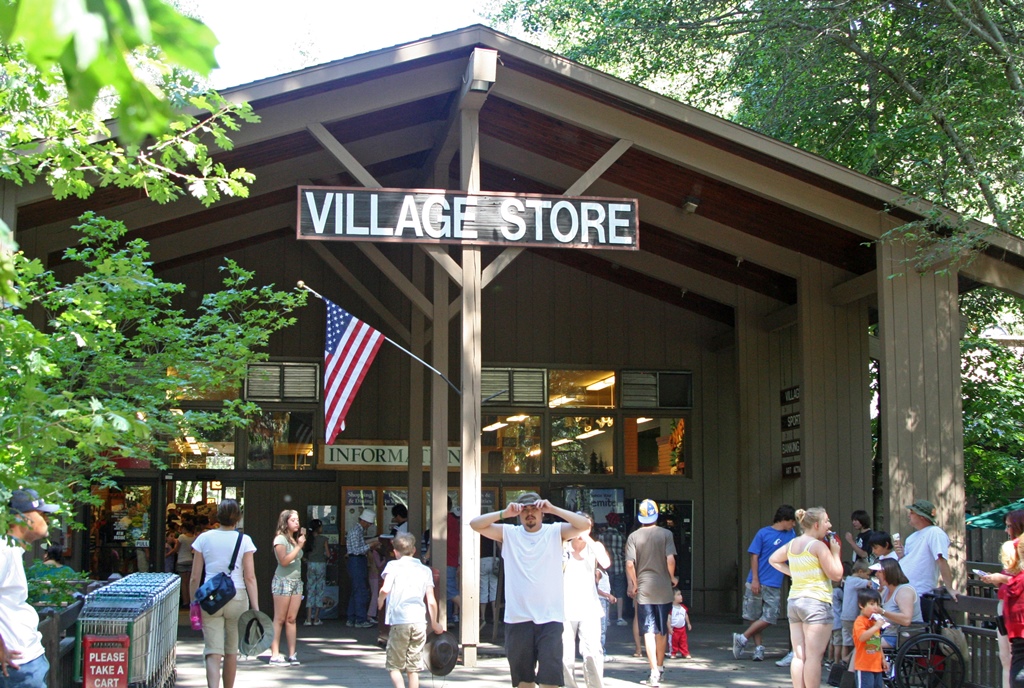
pixel 22 659
pixel 924 557
pixel 534 599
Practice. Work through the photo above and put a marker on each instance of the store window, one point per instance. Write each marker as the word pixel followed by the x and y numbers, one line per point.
pixel 582 445
pixel 655 446
pixel 282 440
pixel 581 388
pixel 121 530
pixel 511 444
pixel 215 449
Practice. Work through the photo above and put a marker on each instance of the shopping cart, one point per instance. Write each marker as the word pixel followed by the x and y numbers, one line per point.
pixel 143 607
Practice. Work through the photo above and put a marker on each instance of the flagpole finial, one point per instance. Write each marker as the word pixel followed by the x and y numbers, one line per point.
pixel 302 285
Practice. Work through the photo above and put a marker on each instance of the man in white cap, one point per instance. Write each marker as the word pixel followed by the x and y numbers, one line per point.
pixel 22 659
pixel 358 546
pixel 924 557
pixel 651 569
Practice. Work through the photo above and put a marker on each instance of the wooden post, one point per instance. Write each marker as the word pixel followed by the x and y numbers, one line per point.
pixel 922 414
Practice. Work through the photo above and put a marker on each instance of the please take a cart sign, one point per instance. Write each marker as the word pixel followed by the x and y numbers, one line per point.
pixel 448 217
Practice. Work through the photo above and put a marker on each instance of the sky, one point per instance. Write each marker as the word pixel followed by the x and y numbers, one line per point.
pixel 260 38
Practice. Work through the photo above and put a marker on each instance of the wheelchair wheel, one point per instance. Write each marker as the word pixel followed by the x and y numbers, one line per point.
pixel 929 660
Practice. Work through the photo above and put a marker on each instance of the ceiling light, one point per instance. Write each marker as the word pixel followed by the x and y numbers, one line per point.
pixel 559 443
pixel 640 421
pixel 495 426
pixel 517 419
pixel 589 434
pixel 601 384
pixel 560 401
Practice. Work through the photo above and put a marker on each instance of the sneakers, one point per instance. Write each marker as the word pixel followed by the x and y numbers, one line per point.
pixel 785 661
pixel 293 660
pixel 350 623
pixel 739 642
pixel 279 660
pixel 759 653
pixel 318 622
pixel 621 622
pixel 655 678
pixel 454 618
pixel 307 622
pixel 366 624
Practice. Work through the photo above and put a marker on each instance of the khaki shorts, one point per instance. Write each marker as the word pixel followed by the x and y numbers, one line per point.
pixel 765 606
pixel 405 647
pixel 809 611
pixel 220 630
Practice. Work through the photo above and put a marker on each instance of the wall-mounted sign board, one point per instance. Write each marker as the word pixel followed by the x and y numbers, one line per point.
pixel 454 217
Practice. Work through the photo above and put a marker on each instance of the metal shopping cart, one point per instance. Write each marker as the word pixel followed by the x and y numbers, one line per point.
pixel 137 614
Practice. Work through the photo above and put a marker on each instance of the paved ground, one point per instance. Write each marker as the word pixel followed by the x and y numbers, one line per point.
pixel 335 655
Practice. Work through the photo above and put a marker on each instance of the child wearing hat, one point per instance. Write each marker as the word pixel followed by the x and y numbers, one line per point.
pixel 408 589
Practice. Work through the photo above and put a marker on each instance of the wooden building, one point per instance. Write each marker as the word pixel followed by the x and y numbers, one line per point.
pixel 727 361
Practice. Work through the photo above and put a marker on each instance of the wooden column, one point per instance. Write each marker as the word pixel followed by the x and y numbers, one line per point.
pixel 439 440
pixel 416 402
pixel 470 420
pixel 921 413
pixel 835 427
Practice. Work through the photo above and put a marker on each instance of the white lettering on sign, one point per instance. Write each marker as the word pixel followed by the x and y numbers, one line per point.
pixel 107 656
pixel 483 218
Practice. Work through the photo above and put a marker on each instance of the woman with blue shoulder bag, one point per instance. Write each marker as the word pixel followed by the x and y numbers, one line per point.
pixel 224 550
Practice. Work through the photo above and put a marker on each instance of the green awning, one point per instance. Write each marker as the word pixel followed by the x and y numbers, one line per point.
pixel 995 519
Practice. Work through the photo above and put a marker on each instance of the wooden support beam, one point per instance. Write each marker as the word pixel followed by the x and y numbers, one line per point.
pixel 780 319
pixel 421 302
pixel 855 289
pixel 599 167
pixel 341 154
pixel 498 264
pixel 444 260
pixel 348 278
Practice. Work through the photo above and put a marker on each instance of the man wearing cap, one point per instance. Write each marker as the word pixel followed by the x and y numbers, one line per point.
pixel 651 569
pixel 924 557
pixel 358 569
pixel 23 663
pixel 534 598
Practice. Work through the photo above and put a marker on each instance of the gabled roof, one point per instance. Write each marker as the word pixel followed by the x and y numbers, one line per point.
pixel 757 206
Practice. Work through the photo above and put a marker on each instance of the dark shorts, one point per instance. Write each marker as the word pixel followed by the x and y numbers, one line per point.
pixel 651 617
pixel 534 652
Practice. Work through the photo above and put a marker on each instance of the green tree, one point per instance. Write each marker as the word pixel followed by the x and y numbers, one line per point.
pixel 116 361
pixel 926 96
pixel 95 382
pixel 66 66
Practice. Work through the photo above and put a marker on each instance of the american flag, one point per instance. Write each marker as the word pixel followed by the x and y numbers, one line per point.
pixel 349 349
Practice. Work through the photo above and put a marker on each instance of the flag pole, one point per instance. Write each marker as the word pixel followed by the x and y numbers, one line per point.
pixel 302 285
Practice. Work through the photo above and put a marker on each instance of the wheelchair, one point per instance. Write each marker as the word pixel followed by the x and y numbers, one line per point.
pixel 923 656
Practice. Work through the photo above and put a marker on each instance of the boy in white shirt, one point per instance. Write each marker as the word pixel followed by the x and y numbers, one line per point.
pixel 409 588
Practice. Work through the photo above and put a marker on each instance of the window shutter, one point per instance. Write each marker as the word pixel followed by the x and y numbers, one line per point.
pixel 283 382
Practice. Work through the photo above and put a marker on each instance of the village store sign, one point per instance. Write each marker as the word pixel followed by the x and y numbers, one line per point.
pixel 444 217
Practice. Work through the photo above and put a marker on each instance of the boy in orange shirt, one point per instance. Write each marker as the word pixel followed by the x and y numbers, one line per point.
pixel 868 660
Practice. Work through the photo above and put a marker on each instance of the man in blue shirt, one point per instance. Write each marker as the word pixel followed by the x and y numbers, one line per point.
pixel 762 595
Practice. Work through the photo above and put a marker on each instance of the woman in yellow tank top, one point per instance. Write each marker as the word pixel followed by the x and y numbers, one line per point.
pixel 812 560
